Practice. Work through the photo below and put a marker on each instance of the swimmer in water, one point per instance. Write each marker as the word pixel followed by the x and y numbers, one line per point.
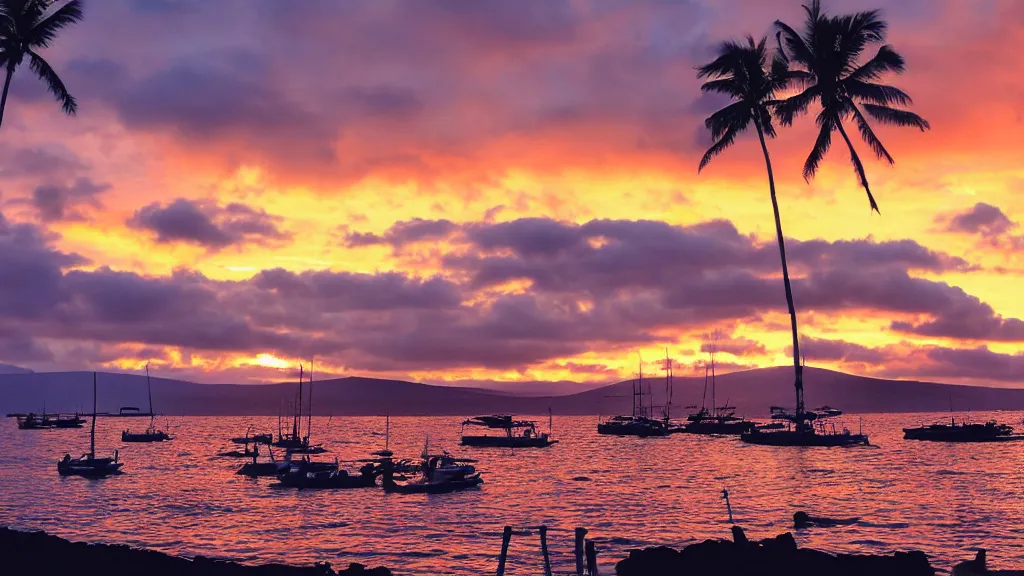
pixel 802 520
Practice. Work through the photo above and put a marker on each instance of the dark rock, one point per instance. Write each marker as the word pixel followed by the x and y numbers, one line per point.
pixel 778 556
pixel 41 554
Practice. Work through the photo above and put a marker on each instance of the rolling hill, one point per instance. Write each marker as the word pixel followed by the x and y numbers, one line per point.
pixel 751 391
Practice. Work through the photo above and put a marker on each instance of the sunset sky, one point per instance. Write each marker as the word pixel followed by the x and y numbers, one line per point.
pixel 496 190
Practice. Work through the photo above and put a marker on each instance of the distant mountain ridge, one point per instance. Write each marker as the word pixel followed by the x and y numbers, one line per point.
pixel 752 392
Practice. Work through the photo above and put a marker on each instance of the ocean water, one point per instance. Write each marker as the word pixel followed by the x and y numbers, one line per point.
pixel 177 497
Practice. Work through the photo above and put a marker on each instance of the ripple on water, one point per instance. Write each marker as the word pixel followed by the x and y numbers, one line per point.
pixel 178 498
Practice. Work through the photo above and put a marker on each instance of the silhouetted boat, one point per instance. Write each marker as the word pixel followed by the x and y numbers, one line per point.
pixel 517 433
pixel 803 427
pixel 256 469
pixel 719 419
pixel 68 421
pixel 439 474
pixel 306 477
pixel 294 442
pixel 963 432
pixel 641 423
pixel 89 465
pixel 151 434
pixel 254 439
pixel 32 421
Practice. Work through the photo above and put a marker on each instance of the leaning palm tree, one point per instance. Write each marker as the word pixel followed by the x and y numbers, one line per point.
pixel 825 58
pixel 746 74
pixel 25 27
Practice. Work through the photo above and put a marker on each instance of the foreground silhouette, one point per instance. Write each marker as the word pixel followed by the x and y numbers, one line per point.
pixel 743 72
pixel 41 554
pixel 27 26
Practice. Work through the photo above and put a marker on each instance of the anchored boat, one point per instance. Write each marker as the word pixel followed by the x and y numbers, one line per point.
pixel 718 419
pixel 963 432
pixel 641 423
pixel 88 465
pixel 151 434
pixel 516 433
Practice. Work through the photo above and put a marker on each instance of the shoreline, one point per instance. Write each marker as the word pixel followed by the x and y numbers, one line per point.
pixel 41 554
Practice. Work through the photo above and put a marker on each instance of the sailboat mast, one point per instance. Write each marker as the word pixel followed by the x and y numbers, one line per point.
pixel 92 430
pixel 149 388
pixel 714 403
pixel 298 406
pixel 309 423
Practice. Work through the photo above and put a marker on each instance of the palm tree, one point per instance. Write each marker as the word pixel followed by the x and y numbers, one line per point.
pixel 826 58
pixel 744 73
pixel 27 26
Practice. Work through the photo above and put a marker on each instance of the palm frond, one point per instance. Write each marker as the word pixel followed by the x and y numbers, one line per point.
pixel 788 109
pixel 730 55
pixel 737 113
pixel 886 60
pixel 53 82
pixel 718 147
pixel 895 117
pixel 869 135
pixel 877 93
pixel 821 146
pixel 727 86
pixel 45 28
pixel 799 51
pixel 858 168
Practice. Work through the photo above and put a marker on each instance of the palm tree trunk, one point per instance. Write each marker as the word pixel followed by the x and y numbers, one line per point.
pixel 799 383
pixel 7 85
pixel 859 167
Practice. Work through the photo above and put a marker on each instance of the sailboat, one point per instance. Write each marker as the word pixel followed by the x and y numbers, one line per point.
pixel 151 434
pixel 89 465
pixel 640 423
pixel 718 420
pixel 294 442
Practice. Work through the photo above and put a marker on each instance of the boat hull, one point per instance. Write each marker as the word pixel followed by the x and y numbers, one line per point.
pixel 442 487
pixel 727 428
pixel 333 480
pixel 954 436
pixel 640 431
pixel 96 468
pixel 806 438
pixel 262 469
pixel 507 442
pixel 145 437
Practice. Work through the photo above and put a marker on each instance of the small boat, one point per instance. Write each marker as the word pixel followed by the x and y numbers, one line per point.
pixel 32 421
pixel 439 474
pixel 245 453
pixel 805 433
pixel 641 423
pixel 88 465
pixel 333 479
pixel 517 433
pixel 294 442
pixel 254 439
pixel 68 421
pixel 719 419
pixel 256 469
pixel 152 434
pixel 963 432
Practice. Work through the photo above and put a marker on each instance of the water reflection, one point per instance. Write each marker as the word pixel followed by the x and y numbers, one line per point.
pixel 630 492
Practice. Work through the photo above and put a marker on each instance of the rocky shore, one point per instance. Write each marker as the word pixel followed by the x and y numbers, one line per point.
pixel 778 556
pixel 41 554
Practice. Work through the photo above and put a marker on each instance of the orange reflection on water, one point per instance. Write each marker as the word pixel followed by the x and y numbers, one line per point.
pixel 178 498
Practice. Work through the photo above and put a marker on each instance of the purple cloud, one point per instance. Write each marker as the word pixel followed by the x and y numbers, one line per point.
pixel 54 202
pixel 208 225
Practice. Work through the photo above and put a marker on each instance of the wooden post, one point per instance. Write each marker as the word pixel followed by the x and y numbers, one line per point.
pixel 592 559
pixel 506 537
pixel 581 534
pixel 544 550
